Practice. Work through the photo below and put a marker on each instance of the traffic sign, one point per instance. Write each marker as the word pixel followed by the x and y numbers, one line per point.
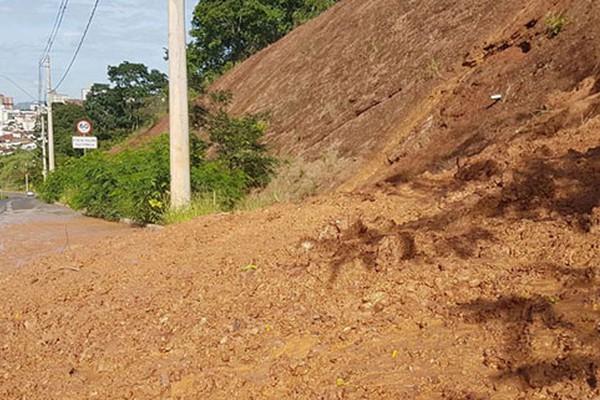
pixel 85 142
pixel 84 127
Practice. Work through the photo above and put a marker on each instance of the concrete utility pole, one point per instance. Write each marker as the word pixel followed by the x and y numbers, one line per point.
pixel 178 108
pixel 50 122
pixel 44 159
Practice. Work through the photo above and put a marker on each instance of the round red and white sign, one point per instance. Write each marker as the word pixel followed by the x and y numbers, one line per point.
pixel 84 127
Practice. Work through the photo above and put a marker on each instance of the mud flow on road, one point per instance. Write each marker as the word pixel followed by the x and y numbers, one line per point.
pixel 30 229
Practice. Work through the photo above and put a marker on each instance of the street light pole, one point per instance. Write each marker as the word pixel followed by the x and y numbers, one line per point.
pixel 178 108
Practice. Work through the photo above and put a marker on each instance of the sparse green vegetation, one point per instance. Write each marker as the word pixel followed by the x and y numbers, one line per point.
pixel 432 70
pixel 134 184
pixel 555 23
pixel 225 32
pixel 201 205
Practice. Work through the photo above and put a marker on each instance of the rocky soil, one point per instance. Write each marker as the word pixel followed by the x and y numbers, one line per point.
pixel 457 259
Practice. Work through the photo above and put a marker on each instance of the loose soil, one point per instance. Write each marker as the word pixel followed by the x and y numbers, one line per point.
pixel 459 259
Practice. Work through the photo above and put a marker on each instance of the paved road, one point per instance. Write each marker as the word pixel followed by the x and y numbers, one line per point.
pixel 30 228
pixel 20 207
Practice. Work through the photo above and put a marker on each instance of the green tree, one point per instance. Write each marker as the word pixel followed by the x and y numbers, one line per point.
pixel 65 120
pixel 14 167
pixel 103 106
pixel 134 95
pixel 225 32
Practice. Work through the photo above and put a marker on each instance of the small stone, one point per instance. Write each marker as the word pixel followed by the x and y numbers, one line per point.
pixel 474 283
pixel 307 245
pixel 330 232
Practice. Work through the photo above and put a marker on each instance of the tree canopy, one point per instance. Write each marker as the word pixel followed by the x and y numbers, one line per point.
pixel 130 100
pixel 225 32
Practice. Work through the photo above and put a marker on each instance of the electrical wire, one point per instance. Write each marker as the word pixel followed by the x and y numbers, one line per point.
pixel 62 8
pixel 57 23
pixel 87 27
pixel 15 84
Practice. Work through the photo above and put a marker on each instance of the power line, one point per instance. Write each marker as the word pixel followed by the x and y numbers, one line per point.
pixel 57 23
pixel 87 27
pixel 62 8
pixel 18 86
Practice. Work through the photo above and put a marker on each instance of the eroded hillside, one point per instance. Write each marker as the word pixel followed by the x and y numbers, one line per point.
pixel 460 260
pixel 398 87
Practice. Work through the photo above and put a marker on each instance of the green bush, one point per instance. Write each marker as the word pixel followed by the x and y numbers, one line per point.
pixel 229 186
pixel 134 184
pixel 555 23
pixel 237 141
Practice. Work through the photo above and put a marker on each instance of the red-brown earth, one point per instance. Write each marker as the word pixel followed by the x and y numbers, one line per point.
pixel 457 258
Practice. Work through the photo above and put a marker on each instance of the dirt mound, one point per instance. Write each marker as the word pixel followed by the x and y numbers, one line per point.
pixel 476 282
pixel 466 267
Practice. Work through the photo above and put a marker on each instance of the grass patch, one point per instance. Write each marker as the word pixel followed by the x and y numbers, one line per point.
pixel 555 24
pixel 201 205
pixel 432 70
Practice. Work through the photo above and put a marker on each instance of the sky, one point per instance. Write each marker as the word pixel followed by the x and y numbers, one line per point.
pixel 122 30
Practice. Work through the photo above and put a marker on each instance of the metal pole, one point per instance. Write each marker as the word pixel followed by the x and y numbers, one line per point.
pixel 178 108
pixel 50 121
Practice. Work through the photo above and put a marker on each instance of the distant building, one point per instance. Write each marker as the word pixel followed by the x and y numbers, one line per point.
pixel 60 98
pixel 6 105
pixel 17 127
pixel 84 93
pixel 7 102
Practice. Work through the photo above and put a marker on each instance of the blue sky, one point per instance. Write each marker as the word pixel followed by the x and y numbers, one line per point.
pixel 132 30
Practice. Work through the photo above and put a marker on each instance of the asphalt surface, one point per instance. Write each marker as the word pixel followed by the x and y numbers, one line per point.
pixel 19 203
pixel 30 228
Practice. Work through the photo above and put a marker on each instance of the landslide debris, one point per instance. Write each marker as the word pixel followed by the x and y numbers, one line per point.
pixel 465 265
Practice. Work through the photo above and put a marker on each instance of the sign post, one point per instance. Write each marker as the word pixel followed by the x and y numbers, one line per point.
pixel 84 127
pixel 85 142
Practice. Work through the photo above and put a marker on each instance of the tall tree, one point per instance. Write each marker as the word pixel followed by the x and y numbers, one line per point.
pixel 228 31
pixel 128 101
pixel 65 120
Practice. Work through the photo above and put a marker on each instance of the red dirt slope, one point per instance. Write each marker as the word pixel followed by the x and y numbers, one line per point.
pixel 377 80
pixel 466 266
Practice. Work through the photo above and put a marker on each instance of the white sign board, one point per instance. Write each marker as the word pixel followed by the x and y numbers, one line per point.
pixel 84 127
pixel 85 142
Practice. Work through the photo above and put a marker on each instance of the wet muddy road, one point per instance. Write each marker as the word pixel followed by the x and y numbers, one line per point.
pixel 30 228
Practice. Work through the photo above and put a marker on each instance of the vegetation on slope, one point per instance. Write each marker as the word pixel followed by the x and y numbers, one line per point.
pixel 134 183
pixel 227 32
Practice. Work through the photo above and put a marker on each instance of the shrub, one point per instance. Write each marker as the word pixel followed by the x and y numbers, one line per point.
pixel 555 23
pixel 237 141
pixel 135 184
pixel 132 184
pixel 228 186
